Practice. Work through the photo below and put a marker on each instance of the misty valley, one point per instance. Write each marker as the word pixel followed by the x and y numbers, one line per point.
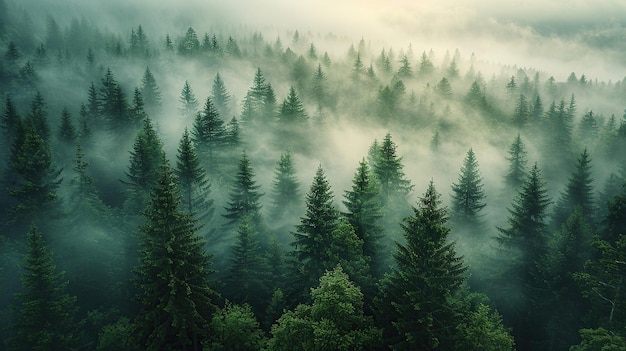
pixel 187 185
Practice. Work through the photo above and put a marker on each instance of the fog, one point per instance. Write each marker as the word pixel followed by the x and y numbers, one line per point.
pixel 542 45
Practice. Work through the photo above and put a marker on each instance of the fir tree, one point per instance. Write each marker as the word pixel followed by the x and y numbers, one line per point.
pixel 314 233
pixel 194 184
pixel 521 115
pixel 578 193
pixel 244 196
pixel 444 89
pixel 292 111
pixel 525 243
pixel 364 212
pixel 10 121
pixel 426 66
pixel 151 93
pixel 188 101
pixel 468 195
pixel 516 172
pixel 220 96
pixel 172 275
pixel 285 192
pixel 38 117
pixel 209 133
pixel 137 112
pixel 46 318
pixel 415 297
pixel 388 168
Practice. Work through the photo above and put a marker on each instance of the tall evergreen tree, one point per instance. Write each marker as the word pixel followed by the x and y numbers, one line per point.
pixel 516 171
pixel 319 90
pixel 151 93
pixel 220 96
pixel 188 101
pixel 145 161
pixel 192 179
pixel 209 134
pixel 364 212
pixel 172 275
pixel 292 110
pixel 314 233
pixel 137 112
pixel 415 302
pixel 46 314
pixel 521 277
pixel 38 117
pixel 9 122
pixel 521 115
pixel 285 194
pixel 67 132
pixel 388 168
pixel 468 195
pixel 578 193
pixel 244 196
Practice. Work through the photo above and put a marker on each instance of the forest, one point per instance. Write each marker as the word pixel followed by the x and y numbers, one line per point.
pixel 198 186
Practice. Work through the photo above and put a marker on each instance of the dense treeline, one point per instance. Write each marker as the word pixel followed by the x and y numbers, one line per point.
pixel 188 191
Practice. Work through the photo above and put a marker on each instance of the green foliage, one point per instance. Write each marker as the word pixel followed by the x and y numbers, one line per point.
pixel 516 171
pixel 285 192
pixel 46 312
pixel 334 321
pixel 235 328
pixel 468 195
pixel 244 196
pixel 117 336
pixel 599 339
pixel 578 193
pixel 151 93
pixel 292 111
pixel 188 102
pixel 414 304
pixel 172 275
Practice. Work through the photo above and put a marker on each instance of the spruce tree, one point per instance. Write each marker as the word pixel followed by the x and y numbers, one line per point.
pixel 285 194
pixel 388 168
pixel 209 134
pixel 521 115
pixel 364 212
pixel 10 120
pixel 38 117
pixel 172 275
pixel 46 314
pixel 67 132
pixel 516 171
pixel 292 111
pixel 524 246
pixel 314 233
pixel 414 304
pixel 244 196
pixel 188 101
pixel 137 112
pixel 220 96
pixel 468 194
pixel 194 184
pixel 578 193
pixel 151 93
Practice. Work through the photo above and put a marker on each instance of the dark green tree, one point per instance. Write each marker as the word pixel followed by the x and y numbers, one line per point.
pixel 521 276
pixel 235 328
pixel 67 133
pixel 334 321
pixel 192 179
pixel 313 236
pixel 468 195
pixel 588 128
pixel 285 194
pixel 137 112
pixel 189 44
pixel 220 95
pixel 46 314
pixel 209 135
pixel 475 97
pixel 578 193
pixel 38 117
pixel 405 71
pixel 516 171
pixel 319 91
pixel 415 302
pixel 188 101
pixel 172 275
pixel 521 115
pixel 143 171
pixel 244 196
pixel 443 89
pixel 358 69
pixel 113 104
pixel 151 93
pixel 9 123
pixel 364 213
pixel 292 110
pixel 389 171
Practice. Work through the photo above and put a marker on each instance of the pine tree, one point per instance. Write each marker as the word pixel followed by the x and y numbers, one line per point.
pixel 189 45
pixel 314 233
pixel 188 101
pixel 209 134
pixel 38 117
pixel 578 193
pixel 285 194
pixel 113 103
pixel 172 275
pixel 232 137
pixel 468 195
pixel 524 244
pixel 415 298
pixel 244 196
pixel 67 132
pixel 318 90
pixel 194 184
pixel 426 66
pixel 9 123
pixel 588 128
pixel 93 107
pixel 388 168
pixel 137 112
pixel 245 282
pixel 443 89
pixel 364 212
pixel 358 69
pixel 220 96
pixel 521 115
pixel 292 111
pixel 46 315
pixel 405 71
pixel 516 172
pixel 151 93
pixel 145 160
